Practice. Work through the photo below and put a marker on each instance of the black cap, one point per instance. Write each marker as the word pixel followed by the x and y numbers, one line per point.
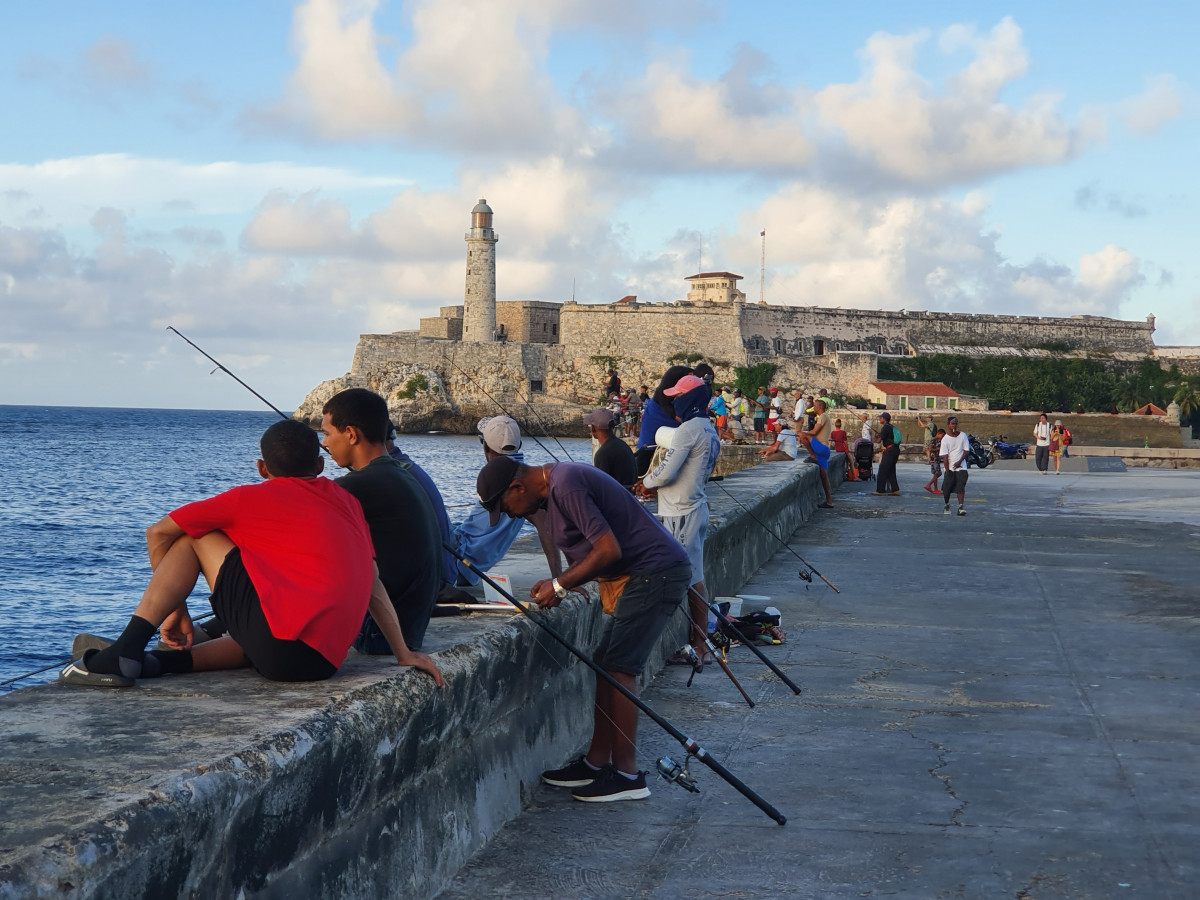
pixel 887 417
pixel 493 480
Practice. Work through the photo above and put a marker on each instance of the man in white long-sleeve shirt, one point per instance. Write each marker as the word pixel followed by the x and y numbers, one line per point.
pixel 679 480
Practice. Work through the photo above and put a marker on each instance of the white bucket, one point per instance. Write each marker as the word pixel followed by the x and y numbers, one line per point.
pixel 735 605
pixel 491 595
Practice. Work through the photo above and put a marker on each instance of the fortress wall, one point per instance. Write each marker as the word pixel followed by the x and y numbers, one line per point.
pixel 793 329
pixel 529 321
pixel 1094 333
pixel 651 334
pixel 1186 359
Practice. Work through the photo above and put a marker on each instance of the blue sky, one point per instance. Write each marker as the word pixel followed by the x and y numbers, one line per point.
pixel 276 178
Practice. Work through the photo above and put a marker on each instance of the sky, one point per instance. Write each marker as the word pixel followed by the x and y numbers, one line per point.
pixel 275 178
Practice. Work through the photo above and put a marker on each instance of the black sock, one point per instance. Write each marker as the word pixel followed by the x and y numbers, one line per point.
pixel 125 656
pixel 166 662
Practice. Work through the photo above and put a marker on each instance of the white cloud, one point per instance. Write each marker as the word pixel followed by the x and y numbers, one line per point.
pixel 1161 102
pixel 829 248
pixel 71 189
pixel 671 119
pixel 893 121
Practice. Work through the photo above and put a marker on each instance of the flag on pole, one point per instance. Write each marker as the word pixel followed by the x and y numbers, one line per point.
pixel 763 233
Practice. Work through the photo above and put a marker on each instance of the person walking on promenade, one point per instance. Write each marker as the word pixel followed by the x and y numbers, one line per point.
pixel 1056 444
pixel 613 456
pixel 605 533
pixel 933 453
pixel 679 481
pixel 886 481
pixel 816 442
pixel 954 449
pixel 1041 450
pixel 761 403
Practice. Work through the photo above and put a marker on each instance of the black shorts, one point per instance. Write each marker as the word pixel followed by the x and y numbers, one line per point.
pixel 955 482
pixel 642 612
pixel 235 601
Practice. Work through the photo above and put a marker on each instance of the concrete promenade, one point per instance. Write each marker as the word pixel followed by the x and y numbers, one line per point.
pixel 1000 705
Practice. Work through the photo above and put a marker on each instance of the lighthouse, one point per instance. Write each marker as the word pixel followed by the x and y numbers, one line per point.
pixel 479 301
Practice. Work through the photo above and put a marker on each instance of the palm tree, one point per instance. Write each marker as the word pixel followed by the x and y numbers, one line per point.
pixel 1188 398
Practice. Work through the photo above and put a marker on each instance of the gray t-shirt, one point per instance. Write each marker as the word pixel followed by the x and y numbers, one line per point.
pixel 583 504
pixel 681 475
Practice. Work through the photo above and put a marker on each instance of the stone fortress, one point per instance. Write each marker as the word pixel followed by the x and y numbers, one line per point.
pixel 544 363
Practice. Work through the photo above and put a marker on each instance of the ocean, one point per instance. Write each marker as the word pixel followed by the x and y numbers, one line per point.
pixel 81 485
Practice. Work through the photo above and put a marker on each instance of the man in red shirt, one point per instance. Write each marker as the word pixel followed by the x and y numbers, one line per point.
pixel 291 569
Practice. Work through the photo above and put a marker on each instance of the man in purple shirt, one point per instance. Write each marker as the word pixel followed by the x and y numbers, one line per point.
pixel 603 532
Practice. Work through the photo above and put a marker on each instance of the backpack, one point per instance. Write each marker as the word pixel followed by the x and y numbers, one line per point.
pixel 897 437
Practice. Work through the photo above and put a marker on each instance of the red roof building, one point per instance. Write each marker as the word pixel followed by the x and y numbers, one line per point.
pixel 915 395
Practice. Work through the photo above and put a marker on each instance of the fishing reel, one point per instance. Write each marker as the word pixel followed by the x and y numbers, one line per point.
pixel 805 576
pixel 670 770
pixel 689 653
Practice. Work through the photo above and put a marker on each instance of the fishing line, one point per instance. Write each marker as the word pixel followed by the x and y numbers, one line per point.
pixel 200 618
pixel 786 545
pixel 504 410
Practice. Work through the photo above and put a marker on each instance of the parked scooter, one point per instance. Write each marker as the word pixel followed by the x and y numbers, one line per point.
pixel 1004 450
pixel 978 455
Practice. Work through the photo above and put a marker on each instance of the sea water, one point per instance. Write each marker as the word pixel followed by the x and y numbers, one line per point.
pixel 80 485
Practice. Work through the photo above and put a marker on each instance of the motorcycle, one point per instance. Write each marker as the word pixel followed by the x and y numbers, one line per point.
pixel 1004 450
pixel 978 455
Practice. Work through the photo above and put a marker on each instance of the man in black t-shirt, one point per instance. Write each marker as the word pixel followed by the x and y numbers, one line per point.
pixel 404 529
pixel 613 457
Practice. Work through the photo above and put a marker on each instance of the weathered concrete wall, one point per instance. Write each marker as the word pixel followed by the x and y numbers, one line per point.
pixel 372 784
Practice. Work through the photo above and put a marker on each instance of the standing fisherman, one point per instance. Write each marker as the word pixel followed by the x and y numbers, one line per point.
pixel 604 532
pixel 679 481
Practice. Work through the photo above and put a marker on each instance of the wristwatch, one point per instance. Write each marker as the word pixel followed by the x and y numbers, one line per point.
pixel 559 591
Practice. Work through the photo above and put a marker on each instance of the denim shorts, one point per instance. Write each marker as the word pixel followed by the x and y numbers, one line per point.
pixel 690 530
pixel 640 617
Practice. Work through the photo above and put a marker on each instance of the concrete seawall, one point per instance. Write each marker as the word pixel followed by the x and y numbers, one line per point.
pixel 372 784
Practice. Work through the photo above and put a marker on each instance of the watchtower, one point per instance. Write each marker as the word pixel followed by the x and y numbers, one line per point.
pixel 479 301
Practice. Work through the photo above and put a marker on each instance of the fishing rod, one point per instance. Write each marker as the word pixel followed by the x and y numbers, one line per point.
pixel 726 624
pixel 57 665
pixel 689 745
pixel 698 666
pixel 230 374
pixel 504 410
pixel 807 576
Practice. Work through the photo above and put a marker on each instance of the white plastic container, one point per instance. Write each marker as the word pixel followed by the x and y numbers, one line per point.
pixel 491 595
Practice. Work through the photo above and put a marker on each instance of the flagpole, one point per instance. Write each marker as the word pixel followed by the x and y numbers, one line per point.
pixel 762 266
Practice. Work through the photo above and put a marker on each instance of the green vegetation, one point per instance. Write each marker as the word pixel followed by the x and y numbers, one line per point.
pixel 417 383
pixel 1064 385
pixel 607 362
pixel 687 359
pixel 749 380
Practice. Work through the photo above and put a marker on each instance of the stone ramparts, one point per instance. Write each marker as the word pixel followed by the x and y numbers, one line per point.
pixel 372 784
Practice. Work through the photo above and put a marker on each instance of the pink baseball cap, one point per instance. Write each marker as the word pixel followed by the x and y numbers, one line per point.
pixel 683 385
